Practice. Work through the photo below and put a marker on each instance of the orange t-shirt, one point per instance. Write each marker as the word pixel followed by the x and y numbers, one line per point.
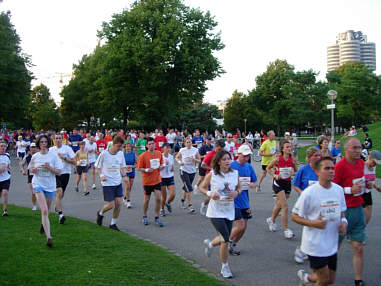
pixel 108 138
pixel 154 161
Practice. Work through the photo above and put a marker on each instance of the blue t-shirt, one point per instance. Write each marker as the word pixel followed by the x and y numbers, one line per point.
pixel 335 152
pixel 205 149
pixel 304 177
pixel 197 140
pixel 246 170
pixel 75 138
pixel 130 160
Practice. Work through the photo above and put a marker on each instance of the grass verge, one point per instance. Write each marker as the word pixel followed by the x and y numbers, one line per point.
pixel 85 254
pixel 374 133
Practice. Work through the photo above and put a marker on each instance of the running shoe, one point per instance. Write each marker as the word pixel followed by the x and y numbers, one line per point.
pixel 302 275
pixel 203 208
pixel 99 218
pixel 129 205
pixel 299 255
pixel 76 189
pixel 233 250
pixel 288 233
pixel 93 187
pixel 191 210
pixel 5 213
pixel 49 242
pixel 158 222
pixel 258 189
pixel 225 271
pixel 162 212
pixel 208 250
pixel 125 202
pixel 114 227
pixel 34 208
pixel 86 193
pixel 272 225
pixel 62 219
pixel 145 220
pixel 195 189
pixel 182 205
pixel 169 208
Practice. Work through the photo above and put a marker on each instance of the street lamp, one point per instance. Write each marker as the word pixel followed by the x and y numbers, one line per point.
pixel 332 95
pixel 245 125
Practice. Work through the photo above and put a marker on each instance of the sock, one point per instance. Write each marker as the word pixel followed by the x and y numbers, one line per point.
pixel 128 200
pixel 101 213
pixel 182 200
pixel 156 217
pixel 113 221
pixel 210 245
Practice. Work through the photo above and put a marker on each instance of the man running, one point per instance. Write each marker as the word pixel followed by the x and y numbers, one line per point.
pixel 267 151
pixel 91 148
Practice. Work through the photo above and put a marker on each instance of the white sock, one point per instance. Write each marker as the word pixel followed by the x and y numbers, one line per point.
pixel 305 278
pixel 101 213
pixel 210 245
pixel 113 221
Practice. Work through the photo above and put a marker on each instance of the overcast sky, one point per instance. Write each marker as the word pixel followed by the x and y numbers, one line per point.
pixel 57 33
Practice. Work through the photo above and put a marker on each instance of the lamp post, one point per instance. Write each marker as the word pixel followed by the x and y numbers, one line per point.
pixel 245 125
pixel 332 95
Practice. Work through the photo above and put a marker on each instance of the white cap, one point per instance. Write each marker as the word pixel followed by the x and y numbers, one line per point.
pixel 376 156
pixel 287 134
pixel 244 150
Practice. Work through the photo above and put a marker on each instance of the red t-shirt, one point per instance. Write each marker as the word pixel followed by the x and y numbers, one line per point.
pixel 236 147
pixel 208 159
pixel 345 173
pixel 160 140
pixel 101 145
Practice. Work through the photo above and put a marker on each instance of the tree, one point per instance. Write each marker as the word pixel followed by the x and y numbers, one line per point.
pixel 15 78
pixel 234 112
pixel 199 117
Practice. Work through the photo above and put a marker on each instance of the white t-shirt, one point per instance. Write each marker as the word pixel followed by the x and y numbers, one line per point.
pixel 44 178
pixel 222 184
pixel 166 172
pixel 171 137
pixel 67 152
pixel 91 155
pixel 21 146
pixel 318 201
pixel 230 148
pixel 4 163
pixel 110 166
pixel 186 157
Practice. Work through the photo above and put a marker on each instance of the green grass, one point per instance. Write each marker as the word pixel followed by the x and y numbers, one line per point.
pixel 374 134
pixel 85 254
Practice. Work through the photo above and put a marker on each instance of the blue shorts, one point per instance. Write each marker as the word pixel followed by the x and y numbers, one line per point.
pixel 242 214
pixel 81 169
pixel 167 181
pixel 48 195
pixel 91 165
pixel 112 192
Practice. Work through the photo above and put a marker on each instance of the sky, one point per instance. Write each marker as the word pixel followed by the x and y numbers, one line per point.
pixel 255 32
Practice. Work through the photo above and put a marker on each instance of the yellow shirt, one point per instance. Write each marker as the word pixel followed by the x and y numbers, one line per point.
pixel 267 148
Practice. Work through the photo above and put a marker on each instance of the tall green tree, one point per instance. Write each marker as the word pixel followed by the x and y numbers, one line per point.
pixel 15 79
pixel 234 112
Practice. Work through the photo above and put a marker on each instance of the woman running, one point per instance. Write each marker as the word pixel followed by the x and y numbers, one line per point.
pixel 167 180
pixel 285 167
pixel 26 162
pixel 130 159
pixel 224 187
pixel 373 159
pixel 82 161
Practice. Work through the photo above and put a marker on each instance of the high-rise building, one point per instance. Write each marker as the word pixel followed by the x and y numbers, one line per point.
pixel 351 46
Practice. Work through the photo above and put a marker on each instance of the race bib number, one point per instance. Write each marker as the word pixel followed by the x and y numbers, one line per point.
pixel 188 160
pixel 3 165
pixel 101 150
pixel 43 172
pixel 113 170
pixel 235 152
pixel 285 173
pixel 245 181
pixel 75 144
pixel 154 163
pixel 362 183
pixel 161 144
pixel 129 169
pixel 142 148
pixel 272 150
pixel 311 182
pixel 83 162
pixel 330 209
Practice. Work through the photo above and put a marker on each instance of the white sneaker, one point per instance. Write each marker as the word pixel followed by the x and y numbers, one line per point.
pixel 195 189
pixel 203 208
pixel 208 250
pixel 272 225
pixel 125 202
pixel 299 255
pixel 34 208
pixel 225 271
pixel 129 205
pixel 191 209
pixel 302 275
pixel 288 233
pixel 93 187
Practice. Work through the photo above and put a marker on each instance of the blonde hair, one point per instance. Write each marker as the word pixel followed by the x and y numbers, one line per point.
pixel 310 152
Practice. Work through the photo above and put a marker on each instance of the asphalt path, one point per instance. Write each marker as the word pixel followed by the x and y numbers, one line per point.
pixel 266 258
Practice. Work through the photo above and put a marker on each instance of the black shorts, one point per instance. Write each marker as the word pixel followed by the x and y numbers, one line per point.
pixel 282 185
pixel 4 185
pixel 201 171
pixel 62 181
pixel 368 201
pixel 242 214
pixel 30 177
pixel 21 155
pixel 321 262
pixel 82 169
pixel 149 189
pixel 167 181
pixel 264 167
pixel 112 192
pixel 223 226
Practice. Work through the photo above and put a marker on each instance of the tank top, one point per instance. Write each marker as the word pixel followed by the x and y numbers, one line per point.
pixel 82 159
pixel 369 176
pixel 284 168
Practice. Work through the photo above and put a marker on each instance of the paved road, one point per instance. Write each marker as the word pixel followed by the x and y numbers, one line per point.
pixel 266 259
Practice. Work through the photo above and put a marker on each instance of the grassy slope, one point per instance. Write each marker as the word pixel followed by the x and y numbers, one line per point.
pixel 85 254
pixel 374 134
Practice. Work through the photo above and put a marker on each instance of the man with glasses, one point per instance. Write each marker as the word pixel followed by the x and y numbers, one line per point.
pixel 229 144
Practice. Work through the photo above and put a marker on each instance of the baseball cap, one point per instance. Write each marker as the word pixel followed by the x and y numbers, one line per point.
pixel 220 142
pixel 208 137
pixel 376 156
pixel 32 144
pixel 244 150
pixel 287 134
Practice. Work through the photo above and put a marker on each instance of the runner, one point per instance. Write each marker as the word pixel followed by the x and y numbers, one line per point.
pixel 320 209
pixel 285 168
pixel 224 187
pixel 91 149
pixel 229 144
pixel 45 166
pixel 248 180
pixel 236 146
pixel 267 151
pixel 66 154
pixel 371 162
pixel 171 138
pixel 197 139
pixel 205 149
pixel 150 163
pixel 130 159
pixel 323 145
pixel 336 151
pixel 188 157
pixel 167 179
pixel 5 175
pixel 111 168
pixel 141 144
pixel 21 146
pixel 82 162
pixel 294 147
pixel 305 177
pixel 349 174
pixel 160 139
pixel 26 162
pixel 74 140
pixel 101 144
pixel 207 165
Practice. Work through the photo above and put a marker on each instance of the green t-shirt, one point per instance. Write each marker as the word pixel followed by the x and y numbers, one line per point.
pixel 141 145
pixel 267 148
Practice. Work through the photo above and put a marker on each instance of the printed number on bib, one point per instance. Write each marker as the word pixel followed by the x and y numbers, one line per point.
pixel 113 170
pixel 285 173
pixel 362 183
pixel 43 172
pixel 245 181
pixel 154 163
pixel 188 160
pixel 330 209
pixel 272 150
pixel 82 162
pixel 161 144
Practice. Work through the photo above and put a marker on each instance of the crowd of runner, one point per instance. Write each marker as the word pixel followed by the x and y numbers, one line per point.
pixel 334 189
